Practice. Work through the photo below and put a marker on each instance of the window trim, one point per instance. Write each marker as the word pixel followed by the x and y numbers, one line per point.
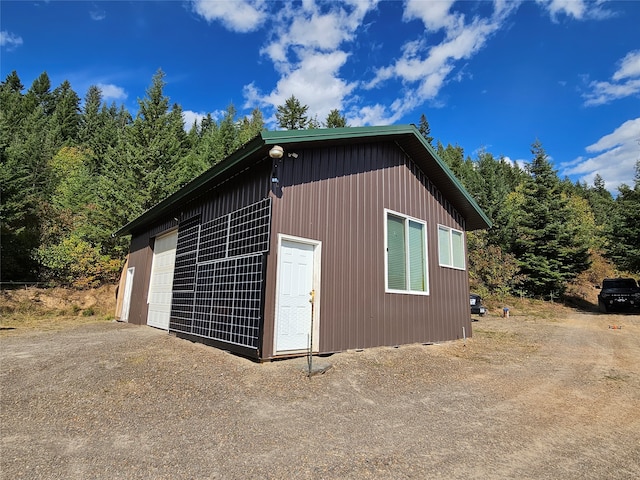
pixel 450 231
pixel 406 219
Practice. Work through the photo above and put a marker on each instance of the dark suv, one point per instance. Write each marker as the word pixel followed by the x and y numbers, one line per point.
pixel 619 294
pixel 475 302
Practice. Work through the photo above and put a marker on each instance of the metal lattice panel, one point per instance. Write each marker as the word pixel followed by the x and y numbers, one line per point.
pixel 218 279
pixel 182 312
pixel 213 240
pixel 184 275
pixel 249 229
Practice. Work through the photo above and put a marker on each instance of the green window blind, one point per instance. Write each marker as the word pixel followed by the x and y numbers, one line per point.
pixel 444 247
pixel 396 255
pixel 457 245
pixel 417 280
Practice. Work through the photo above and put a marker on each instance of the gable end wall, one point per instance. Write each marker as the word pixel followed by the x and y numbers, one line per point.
pixel 338 196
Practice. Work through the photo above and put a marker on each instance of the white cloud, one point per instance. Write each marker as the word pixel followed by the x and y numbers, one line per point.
pixel 309 49
pixel 625 82
pixel 315 82
pixel 578 9
pixel 97 14
pixel 605 92
pixel 238 16
pixel 307 52
pixel 112 92
pixel 616 157
pixel 629 66
pixel 521 164
pixel 190 117
pixel 10 40
pixel 370 115
pixel 571 8
pixel 434 15
pixel 424 69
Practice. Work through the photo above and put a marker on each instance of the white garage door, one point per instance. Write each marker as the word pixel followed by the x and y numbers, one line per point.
pixel 160 287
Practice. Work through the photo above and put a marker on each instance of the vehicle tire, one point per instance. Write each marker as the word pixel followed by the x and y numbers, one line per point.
pixel 602 307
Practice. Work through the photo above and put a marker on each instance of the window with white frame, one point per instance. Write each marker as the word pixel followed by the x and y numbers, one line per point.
pixel 406 254
pixel 451 247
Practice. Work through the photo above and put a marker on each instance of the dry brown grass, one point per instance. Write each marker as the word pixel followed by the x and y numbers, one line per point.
pixel 54 308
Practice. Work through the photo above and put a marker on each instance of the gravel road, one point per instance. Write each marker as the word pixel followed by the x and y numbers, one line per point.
pixel 524 398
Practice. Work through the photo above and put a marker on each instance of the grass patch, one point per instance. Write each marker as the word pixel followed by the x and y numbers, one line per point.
pixel 54 308
pixel 20 323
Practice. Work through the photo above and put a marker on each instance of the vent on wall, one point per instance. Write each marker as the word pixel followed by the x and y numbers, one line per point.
pixel 217 288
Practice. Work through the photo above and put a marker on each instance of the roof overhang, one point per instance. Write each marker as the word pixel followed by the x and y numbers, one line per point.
pixel 406 137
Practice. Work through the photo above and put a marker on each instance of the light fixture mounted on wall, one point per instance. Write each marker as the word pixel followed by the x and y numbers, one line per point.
pixel 276 152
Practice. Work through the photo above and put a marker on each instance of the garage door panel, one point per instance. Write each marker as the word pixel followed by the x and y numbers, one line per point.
pixel 161 284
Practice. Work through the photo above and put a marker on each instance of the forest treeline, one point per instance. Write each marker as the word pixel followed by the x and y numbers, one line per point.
pixel 73 171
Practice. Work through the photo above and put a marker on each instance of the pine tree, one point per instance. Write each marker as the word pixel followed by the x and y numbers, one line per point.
pixel 545 243
pixel 425 129
pixel 24 181
pixel 624 237
pixel 335 119
pixel 156 142
pixel 65 118
pixel 292 115
pixel 228 134
pixel 251 126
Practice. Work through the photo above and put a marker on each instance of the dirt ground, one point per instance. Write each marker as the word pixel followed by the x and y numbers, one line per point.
pixel 526 397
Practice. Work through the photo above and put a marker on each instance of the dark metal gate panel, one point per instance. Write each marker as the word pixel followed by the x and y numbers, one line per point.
pixel 218 289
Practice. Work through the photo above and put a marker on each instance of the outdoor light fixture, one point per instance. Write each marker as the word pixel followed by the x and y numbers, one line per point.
pixel 276 152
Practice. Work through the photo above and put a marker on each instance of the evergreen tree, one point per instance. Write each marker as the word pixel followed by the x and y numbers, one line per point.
pixel 156 143
pixel 228 134
pixel 39 95
pixel 546 245
pixel 601 204
pixel 251 126
pixel 463 168
pixel 335 119
pixel 314 123
pixel 493 181
pixel 11 111
pixel 624 237
pixel 65 119
pixel 24 182
pixel 91 127
pixel 425 129
pixel 292 115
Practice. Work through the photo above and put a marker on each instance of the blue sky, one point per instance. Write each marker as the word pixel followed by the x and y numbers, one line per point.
pixel 493 75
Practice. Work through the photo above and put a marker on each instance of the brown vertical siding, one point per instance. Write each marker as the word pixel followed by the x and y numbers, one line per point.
pixel 338 196
pixel 140 255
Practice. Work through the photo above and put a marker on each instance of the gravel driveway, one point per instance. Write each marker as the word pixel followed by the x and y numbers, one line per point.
pixel 525 398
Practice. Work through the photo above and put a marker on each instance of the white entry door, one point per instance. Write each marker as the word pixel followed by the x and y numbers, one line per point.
pixel 161 284
pixel 296 263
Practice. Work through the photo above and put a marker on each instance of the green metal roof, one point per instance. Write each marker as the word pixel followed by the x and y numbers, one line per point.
pixel 406 136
